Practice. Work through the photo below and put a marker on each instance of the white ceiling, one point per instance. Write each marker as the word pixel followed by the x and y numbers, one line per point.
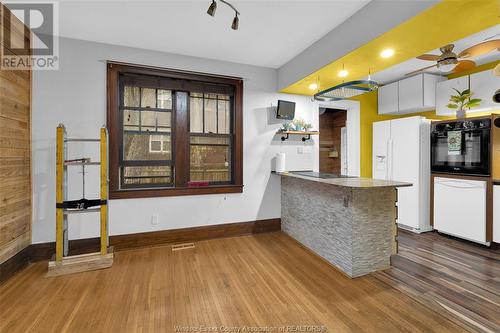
pixel 398 71
pixel 270 33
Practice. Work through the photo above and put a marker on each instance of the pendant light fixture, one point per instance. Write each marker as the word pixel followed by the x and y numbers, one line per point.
pixel 236 22
pixel 213 7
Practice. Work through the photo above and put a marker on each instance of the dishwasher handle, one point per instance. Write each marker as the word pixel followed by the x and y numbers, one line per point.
pixel 460 184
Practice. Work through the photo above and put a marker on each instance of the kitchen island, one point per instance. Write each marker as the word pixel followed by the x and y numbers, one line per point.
pixel 350 222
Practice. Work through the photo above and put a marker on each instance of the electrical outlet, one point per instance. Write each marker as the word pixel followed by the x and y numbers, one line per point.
pixel 154 219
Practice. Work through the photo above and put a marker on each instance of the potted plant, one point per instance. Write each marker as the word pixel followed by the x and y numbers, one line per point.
pixel 299 124
pixel 463 101
pixel 286 127
pixel 307 127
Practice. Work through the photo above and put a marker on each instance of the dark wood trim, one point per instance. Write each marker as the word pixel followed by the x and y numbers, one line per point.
pixel 173 73
pixel 489 211
pixel 45 251
pixel 15 264
pixel 123 242
pixel 180 152
pixel 169 192
pixel 489 198
pixel 113 127
pixel 181 138
pixel 238 134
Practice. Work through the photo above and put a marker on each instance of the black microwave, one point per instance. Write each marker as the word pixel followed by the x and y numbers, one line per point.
pixel 461 147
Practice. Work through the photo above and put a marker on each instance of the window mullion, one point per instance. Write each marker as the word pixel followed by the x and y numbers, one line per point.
pixel 181 141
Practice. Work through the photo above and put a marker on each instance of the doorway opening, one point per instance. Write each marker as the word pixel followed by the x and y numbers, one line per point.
pixel 333 141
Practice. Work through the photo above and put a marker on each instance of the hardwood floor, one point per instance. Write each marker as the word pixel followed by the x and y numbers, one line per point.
pixel 452 277
pixel 257 280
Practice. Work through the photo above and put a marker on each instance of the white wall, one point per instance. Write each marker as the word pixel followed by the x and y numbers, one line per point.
pixel 76 96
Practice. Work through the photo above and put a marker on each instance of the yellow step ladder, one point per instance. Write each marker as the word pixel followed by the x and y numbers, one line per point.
pixel 62 263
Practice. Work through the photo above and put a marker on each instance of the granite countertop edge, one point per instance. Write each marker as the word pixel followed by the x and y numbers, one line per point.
pixel 351 182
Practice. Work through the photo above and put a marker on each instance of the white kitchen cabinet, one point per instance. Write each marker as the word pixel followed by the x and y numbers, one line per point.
pixel 444 90
pixel 418 93
pixel 388 99
pixel 496 213
pixel 413 94
pixel 483 85
pixel 460 208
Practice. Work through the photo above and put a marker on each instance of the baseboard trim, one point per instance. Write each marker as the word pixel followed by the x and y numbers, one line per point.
pixel 45 251
pixel 14 264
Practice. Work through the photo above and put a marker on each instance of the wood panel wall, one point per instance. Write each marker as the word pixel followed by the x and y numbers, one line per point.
pixel 330 126
pixel 15 152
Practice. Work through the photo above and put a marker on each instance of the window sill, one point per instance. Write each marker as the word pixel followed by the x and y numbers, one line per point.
pixel 170 192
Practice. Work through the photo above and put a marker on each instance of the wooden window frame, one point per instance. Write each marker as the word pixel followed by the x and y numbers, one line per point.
pixel 181 139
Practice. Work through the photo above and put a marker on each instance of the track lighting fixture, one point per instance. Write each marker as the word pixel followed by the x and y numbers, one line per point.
pixel 236 22
pixel 213 7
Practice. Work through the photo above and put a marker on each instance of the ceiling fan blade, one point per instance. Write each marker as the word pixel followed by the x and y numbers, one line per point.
pixel 480 49
pixel 464 65
pixel 420 70
pixel 429 57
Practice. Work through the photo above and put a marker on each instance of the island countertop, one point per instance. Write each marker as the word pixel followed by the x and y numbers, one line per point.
pixel 351 182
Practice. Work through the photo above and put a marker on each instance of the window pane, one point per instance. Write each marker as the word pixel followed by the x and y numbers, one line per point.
pixel 131 120
pixel 164 121
pixel 210 159
pixel 223 118
pixel 152 121
pixel 196 113
pixel 141 147
pixel 131 96
pixel 148 98
pixel 155 146
pixel 210 116
pixel 147 175
pixel 164 99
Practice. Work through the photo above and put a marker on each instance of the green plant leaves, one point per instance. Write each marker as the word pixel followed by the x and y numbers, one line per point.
pixel 463 100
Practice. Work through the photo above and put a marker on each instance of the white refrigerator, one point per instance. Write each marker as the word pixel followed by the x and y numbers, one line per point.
pixel 401 152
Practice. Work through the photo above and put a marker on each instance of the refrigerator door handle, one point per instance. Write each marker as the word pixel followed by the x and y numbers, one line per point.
pixel 389 159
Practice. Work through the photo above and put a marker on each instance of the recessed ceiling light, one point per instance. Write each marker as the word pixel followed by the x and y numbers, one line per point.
pixel 343 73
pixel 313 86
pixel 387 53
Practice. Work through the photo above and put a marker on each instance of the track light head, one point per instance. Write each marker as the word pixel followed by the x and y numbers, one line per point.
pixel 213 7
pixel 236 22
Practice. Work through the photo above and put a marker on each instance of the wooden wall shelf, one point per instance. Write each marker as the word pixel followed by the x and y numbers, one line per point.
pixel 303 133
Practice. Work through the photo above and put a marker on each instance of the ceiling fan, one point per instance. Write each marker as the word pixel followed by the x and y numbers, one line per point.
pixel 448 61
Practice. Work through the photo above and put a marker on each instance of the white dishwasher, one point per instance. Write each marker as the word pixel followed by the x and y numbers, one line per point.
pixel 460 208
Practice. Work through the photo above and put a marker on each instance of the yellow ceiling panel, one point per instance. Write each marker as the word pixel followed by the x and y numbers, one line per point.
pixel 445 22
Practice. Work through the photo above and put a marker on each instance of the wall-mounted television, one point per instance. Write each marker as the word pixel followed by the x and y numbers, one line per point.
pixel 285 110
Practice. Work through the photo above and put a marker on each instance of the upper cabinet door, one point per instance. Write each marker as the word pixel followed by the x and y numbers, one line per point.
pixel 388 99
pixel 411 92
pixel 444 90
pixel 483 85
